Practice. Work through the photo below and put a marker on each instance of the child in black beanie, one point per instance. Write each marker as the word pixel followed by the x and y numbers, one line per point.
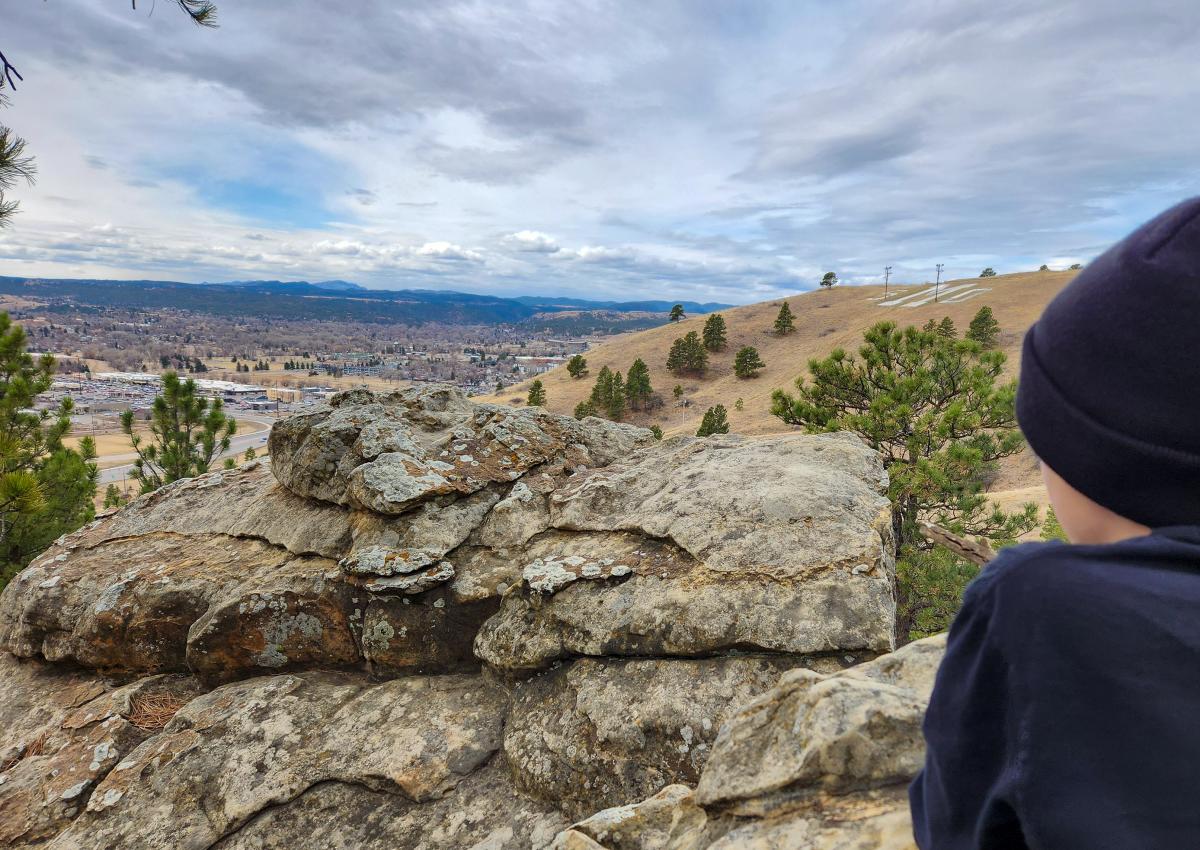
pixel 1066 713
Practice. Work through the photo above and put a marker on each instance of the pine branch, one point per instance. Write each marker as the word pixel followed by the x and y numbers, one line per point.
pixel 8 73
pixel 202 12
pixel 975 551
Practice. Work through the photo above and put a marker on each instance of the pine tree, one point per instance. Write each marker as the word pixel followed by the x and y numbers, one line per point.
pixel 1052 529
pixel 676 312
pixel 249 455
pixel 933 409
pixel 616 398
pixel 46 488
pixel 608 395
pixel 601 390
pixel 577 366
pixel 746 362
pixel 187 432
pixel 1044 268
pixel 677 391
pixel 988 272
pixel 537 394
pixel 112 497
pixel 829 280
pixel 687 355
pixel 656 431
pixel 785 322
pixel 15 166
pixel 946 328
pixel 714 332
pixel 984 329
pixel 715 421
pixel 637 385
pixel 585 409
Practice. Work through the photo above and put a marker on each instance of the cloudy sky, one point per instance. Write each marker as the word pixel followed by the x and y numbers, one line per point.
pixel 706 149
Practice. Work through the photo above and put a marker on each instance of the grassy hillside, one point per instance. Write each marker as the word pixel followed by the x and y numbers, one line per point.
pixel 824 321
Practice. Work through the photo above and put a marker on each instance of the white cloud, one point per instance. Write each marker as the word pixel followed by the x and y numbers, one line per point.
pixel 448 251
pixel 687 146
pixel 533 241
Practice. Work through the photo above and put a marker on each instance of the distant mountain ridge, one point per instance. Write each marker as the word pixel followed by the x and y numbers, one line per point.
pixel 334 285
pixel 546 302
pixel 323 300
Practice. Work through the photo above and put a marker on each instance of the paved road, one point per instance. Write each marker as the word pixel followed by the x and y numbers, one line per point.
pixel 237 446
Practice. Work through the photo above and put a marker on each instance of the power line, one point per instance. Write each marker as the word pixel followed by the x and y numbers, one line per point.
pixel 887 273
pixel 938 284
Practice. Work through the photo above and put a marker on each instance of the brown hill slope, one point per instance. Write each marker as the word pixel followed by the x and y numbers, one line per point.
pixel 824 321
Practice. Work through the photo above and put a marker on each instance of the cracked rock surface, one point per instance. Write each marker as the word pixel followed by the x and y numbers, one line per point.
pixel 428 623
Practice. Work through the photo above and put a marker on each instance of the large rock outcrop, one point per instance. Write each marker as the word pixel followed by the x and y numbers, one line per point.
pixel 429 623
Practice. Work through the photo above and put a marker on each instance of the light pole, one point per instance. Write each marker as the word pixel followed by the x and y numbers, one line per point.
pixel 887 273
pixel 938 284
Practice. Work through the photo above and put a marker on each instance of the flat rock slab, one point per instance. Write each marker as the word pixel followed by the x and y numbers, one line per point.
pixel 672 820
pixel 245 748
pixel 483 812
pixel 242 502
pixel 854 730
pixel 674 607
pixel 218 605
pixel 780 506
pixel 780 544
pixel 66 733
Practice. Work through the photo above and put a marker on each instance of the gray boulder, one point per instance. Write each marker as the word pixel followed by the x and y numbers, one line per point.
pixel 818 762
pixel 779 544
pixel 603 732
pixel 245 748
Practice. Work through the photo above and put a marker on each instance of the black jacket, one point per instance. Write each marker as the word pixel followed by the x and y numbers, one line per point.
pixel 1067 710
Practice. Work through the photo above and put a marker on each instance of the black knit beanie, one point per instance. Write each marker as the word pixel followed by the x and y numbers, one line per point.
pixel 1109 395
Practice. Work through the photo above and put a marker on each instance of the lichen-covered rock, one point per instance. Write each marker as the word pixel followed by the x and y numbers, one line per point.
pixel 169 602
pixel 672 820
pixel 780 544
pixel 818 762
pixel 779 507
pixel 429 634
pixel 595 733
pixel 75 732
pixel 658 591
pixel 852 730
pixel 314 453
pixel 388 453
pixel 35 696
pixel 481 813
pixel 669 819
pixel 425 534
pixel 242 502
pixel 524 512
pixel 247 747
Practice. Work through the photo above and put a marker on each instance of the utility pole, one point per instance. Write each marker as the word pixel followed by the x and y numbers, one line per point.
pixel 887 273
pixel 938 284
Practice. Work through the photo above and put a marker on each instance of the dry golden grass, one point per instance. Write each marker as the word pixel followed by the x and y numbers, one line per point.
pixel 824 321
pixel 111 448
pixel 224 369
